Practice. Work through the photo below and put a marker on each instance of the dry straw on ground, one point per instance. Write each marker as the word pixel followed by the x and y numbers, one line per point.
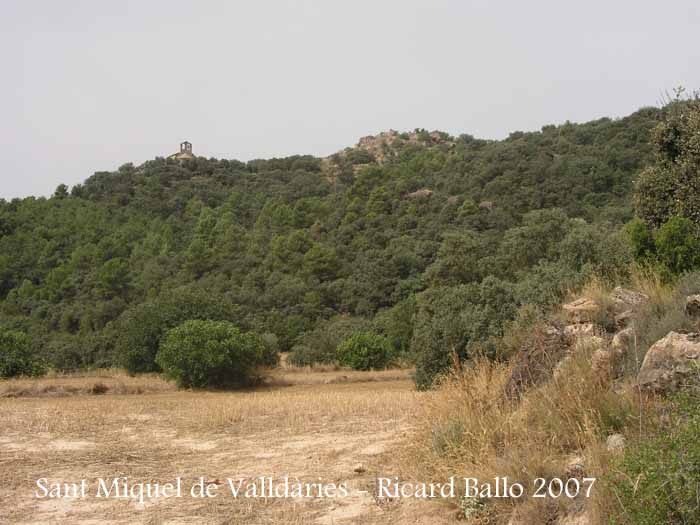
pixel 321 427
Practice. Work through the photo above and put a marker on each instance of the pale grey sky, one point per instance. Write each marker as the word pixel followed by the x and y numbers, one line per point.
pixel 89 85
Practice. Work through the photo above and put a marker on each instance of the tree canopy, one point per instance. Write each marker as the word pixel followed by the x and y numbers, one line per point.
pixel 431 241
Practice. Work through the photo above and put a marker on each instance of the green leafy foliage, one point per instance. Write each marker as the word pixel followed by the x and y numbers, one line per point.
pixel 113 277
pixel 641 239
pixel 203 354
pixel 452 324
pixel 667 193
pixel 678 245
pixel 396 324
pixel 319 345
pixel 658 479
pixel 142 329
pixel 17 357
pixel 364 351
pixel 290 246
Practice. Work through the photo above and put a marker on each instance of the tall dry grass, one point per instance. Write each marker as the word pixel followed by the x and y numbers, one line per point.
pixel 469 426
pixel 118 381
pixel 87 382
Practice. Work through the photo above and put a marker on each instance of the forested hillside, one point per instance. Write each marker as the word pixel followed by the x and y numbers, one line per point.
pixel 431 241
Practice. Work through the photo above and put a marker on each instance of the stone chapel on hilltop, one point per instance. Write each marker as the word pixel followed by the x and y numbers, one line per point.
pixel 185 152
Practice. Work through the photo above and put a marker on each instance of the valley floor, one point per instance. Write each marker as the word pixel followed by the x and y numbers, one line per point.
pixel 338 426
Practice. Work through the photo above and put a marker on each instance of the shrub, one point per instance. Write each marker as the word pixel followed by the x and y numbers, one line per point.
pixel 667 195
pixel 16 355
pixel 669 187
pixel 469 425
pixel 453 322
pixel 540 350
pixel 143 327
pixel 678 246
pixel 319 345
pixel 641 239
pixel 210 354
pixel 657 480
pixel 364 351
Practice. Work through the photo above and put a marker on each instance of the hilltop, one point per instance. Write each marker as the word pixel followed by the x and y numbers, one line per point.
pixel 371 236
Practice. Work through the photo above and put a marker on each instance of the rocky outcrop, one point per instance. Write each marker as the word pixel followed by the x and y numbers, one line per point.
pixel 671 363
pixel 575 467
pixel 627 302
pixel 581 330
pixel 692 305
pixel 386 144
pixel 423 192
pixel 623 297
pixel 581 310
pixel 615 443
pixel 624 319
pixel 621 342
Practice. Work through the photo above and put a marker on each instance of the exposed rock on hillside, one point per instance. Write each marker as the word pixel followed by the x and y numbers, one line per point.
pixel 386 144
pixel 623 319
pixel 379 149
pixel 671 363
pixel 621 341
pixel 423 192
pixel 620 346
pixel 626 298
pixel 581 310
pixel 692 305
pixel 615 443
pixel 581 330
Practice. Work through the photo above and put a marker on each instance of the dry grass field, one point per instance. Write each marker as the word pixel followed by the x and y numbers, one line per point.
pixel 307 424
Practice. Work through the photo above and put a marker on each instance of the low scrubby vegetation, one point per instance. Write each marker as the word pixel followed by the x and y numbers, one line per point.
pixel 548 411
pixel 17 357
pixel 319 346
pixel 657 480
pixel 364 351
pixel 204 354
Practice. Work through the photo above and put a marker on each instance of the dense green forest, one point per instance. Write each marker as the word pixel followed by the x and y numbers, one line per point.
pixel 430 241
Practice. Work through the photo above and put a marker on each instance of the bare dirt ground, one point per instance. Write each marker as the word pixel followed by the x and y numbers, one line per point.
pixel 323 426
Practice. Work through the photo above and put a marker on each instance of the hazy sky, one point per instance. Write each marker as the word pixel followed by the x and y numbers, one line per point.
pixel 90 85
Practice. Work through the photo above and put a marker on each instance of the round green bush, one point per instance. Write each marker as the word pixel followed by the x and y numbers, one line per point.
pixel 204 354
pixel 364 351
pixel 16 355
pixel 142 328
